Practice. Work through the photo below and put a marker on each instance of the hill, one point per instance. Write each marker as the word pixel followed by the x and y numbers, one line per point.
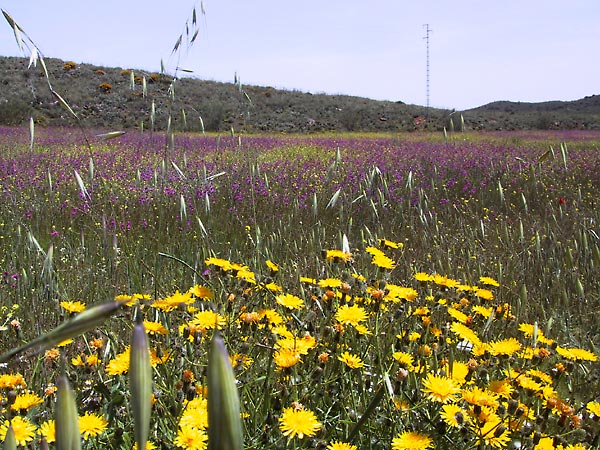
pixel 116 98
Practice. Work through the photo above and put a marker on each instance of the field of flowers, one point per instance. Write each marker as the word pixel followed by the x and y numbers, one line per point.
pixel 373 292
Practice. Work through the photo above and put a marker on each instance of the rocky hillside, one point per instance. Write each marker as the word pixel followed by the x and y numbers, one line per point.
pixel 117 98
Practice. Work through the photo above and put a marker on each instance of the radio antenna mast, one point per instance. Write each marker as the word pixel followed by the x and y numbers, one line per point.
pixel 427 31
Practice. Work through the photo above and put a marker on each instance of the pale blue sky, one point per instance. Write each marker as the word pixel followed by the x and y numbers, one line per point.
pixel 480 51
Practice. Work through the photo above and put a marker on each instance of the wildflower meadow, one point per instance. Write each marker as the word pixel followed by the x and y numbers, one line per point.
pixel 195 291
pixel 406 291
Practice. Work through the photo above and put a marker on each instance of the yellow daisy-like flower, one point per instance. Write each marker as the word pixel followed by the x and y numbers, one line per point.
pixel 290 301
pixel 220 263
pixel 440 388
pixel 25 401
pixel 337 445
pixel 494 434
pixel 272 266
pixel 11 380
pixel 502 388
pixel 458 372
pixel 73 307
pixel 195 414
pixel 423 277
pixel 155 327
pixel 202 292
pixel 483 311
pixel 338 256
pixel 190 438
pixel 485 294
pixel 173 301
pixel 352 361
pixel 330 283
pixel 308 280
pixel 91 425
pixel 351 315
pixel 385 243
pixel 272 316
pixel 477 396
pixel 410 440
pixel 299 345
pixel 207 320
pixel 286 358
pixel 444 281
pixel 274 288
pixel 576 354
pixel 119 364
pixel 397 293
pixel 594 408
pixel 23 429
pixel 454 415
pixel 507 347
pixel 296 422
pixel 48 431
pixel 404 359
pixel 457 315
pixel 383 262
pixel 362 329
pixel 489 281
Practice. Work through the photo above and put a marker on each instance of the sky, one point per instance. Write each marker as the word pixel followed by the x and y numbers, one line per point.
pixel 479 51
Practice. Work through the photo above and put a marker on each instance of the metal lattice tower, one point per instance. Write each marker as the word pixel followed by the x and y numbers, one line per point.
pixel 427 31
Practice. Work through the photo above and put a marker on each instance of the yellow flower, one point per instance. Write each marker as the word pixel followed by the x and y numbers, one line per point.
pixel 274 288
pixel 191 438
pixel 91 425
pixel 485 294
pixel 337 445
pixel 483 311
pixel 286 358
pixel 352 361
pixel 173 301
pixel 457 315
pixel 477 396
pixel 195 414
pixel 389 244
pixel 290 301
pixel 25 401
pixel 351 315
pixel 594 408
pixel 405 359
pixel 330 283
pixel 11 381
pixel 383 262
pixel 299 345
pixel 502 388
pixel 155 327
pixel 206 320
pixel 48 431
pixel 507 347
pixel 493 433
pixel 453 415
pixel 444 281
pixel 423 277
pixel 464 332
pixel 440 388
pixel 410 440
pixel 489 281
pixel 576 354
pixel 202 292
pixel 363 330
pixel 298 422
pixel 24 430
pixel 397 293
pixel 73 307
pixel 272 266
pixel 338 256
